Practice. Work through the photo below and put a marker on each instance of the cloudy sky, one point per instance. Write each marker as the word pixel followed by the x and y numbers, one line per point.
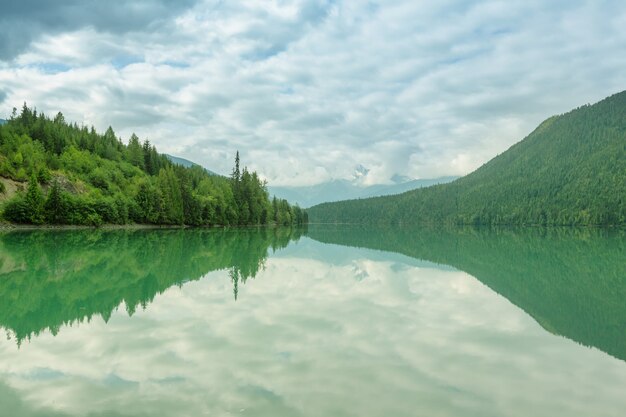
pixel 308 89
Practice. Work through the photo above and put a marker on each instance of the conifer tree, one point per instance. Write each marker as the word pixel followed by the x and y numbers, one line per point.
pixel 135 152
pixel 35 201
pixel 54 208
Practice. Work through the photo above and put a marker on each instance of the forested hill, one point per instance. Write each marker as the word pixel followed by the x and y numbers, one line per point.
pixel 571 170
pixel 56 172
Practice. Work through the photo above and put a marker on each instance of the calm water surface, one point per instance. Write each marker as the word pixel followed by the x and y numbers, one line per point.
pixel 328 321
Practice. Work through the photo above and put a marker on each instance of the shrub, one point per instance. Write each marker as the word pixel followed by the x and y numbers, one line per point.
pixel 17 210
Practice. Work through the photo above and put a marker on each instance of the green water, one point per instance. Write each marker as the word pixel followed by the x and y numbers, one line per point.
pixel 327 321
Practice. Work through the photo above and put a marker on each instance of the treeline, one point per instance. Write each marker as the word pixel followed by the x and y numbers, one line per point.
pixel 75 175
pixel 570 171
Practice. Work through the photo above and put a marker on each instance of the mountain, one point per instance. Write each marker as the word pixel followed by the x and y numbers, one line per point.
pixel 307 196
pixel 401 187
pixel 399 179
pixel 186 163
pixel 571 170
pixel 2 121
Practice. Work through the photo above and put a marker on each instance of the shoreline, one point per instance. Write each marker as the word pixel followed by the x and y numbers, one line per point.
pixel 8 227
pixel 14 226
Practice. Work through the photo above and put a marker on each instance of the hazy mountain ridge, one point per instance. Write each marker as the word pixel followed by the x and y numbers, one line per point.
pixel 187 163
pixel 336 190
pixel 569 171
pixel 307 196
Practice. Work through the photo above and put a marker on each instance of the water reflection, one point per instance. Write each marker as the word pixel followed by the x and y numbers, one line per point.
pixel 52 278
pixel 324 329
pixel 571 281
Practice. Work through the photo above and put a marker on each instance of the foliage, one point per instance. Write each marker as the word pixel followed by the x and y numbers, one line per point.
pixel 27 208
pixel 91 179
pixel 570 171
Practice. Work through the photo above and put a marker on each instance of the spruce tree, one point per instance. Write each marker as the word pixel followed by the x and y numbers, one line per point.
pixel 34 201
pixel 54 209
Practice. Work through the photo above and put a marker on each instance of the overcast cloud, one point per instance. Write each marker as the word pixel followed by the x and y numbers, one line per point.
pixel 307 90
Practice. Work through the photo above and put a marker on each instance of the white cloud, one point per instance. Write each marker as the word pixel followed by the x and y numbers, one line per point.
pixel 306 90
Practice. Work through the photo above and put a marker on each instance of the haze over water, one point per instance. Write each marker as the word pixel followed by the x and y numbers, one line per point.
pixel 324 321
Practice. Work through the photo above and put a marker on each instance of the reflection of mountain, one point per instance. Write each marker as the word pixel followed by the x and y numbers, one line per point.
pixel 52 278
pixel 345 255
pixel 571 281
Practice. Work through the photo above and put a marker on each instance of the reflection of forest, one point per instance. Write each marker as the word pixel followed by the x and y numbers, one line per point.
pixel 572 281
pixel 52 278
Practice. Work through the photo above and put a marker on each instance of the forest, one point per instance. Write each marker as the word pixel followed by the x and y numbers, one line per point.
pixel 71 175
pixel 571 170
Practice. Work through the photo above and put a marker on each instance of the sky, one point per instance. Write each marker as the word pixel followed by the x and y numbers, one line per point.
pixel 308 90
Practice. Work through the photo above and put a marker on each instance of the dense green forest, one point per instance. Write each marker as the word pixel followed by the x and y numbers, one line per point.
pixel 572 281
pixel 570 171
pixel 51 278
pixel 66 174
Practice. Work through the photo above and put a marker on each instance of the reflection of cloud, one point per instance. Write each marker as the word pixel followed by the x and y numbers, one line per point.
pixel 359 273
pixel 306 338
pixel 45 374
pixel 13 405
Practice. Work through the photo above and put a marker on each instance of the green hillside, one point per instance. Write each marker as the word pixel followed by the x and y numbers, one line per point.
pixel 55 172
pixel 570 171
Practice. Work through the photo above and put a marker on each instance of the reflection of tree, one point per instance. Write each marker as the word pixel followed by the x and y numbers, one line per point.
pixel 52 278
pixel 572 281
pixel 235 276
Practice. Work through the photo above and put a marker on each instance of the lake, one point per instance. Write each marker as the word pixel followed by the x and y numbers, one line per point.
pixel 322 321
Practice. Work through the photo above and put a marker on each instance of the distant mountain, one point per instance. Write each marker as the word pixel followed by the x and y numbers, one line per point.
pixel 402 187
pixel 399 179
pixel 186 163
pixel 360 172
pixel 336 190
pixel 571 170
pixel 2 121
